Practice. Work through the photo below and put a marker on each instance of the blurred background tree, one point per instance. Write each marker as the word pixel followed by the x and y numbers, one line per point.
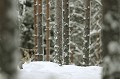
pixel 9 39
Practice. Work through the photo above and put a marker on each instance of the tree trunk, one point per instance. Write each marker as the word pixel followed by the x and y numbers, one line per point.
pixel 87 31
pixel 40 49
pixel 47 32
pixel 66 30
pixel 8 39
pixel 35 24
pixel 59 29
pixel 110 39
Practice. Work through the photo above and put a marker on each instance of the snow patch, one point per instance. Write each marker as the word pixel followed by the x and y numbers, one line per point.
pixel 49 70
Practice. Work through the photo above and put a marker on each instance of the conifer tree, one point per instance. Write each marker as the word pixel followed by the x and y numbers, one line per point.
pixel 35 23
pixel 47 32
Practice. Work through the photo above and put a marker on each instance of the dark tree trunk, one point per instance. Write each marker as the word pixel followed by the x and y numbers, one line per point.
pixel 66 30
pixel 110 39
pixel 87 31
pixel 8 38
pixel 59 29
pixel 35 24
pixel 40 47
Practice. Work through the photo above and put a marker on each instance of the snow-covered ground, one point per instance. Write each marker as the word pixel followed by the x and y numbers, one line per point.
pixel 49 70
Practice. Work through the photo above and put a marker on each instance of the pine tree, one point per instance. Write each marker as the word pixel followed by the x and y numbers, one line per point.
pixel 47 32
pixel 111 39
pixel 35 23
pixel 87 31
pixel 66 30
pixel 59 29
pixel 40 49
pixel 8 38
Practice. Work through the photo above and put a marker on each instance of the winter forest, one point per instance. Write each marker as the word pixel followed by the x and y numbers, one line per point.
pixel 59 39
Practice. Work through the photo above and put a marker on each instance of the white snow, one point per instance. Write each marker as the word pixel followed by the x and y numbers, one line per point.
pixel 49 70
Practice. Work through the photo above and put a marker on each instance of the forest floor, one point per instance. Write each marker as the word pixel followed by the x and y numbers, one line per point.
pixel 49 70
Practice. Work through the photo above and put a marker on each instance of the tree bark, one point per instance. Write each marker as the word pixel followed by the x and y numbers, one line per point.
pixel 35 24
pixel 47 32
pixel 66 30
pixel 111 39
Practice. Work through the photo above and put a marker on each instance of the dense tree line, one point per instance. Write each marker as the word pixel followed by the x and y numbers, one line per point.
pixel 73 25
